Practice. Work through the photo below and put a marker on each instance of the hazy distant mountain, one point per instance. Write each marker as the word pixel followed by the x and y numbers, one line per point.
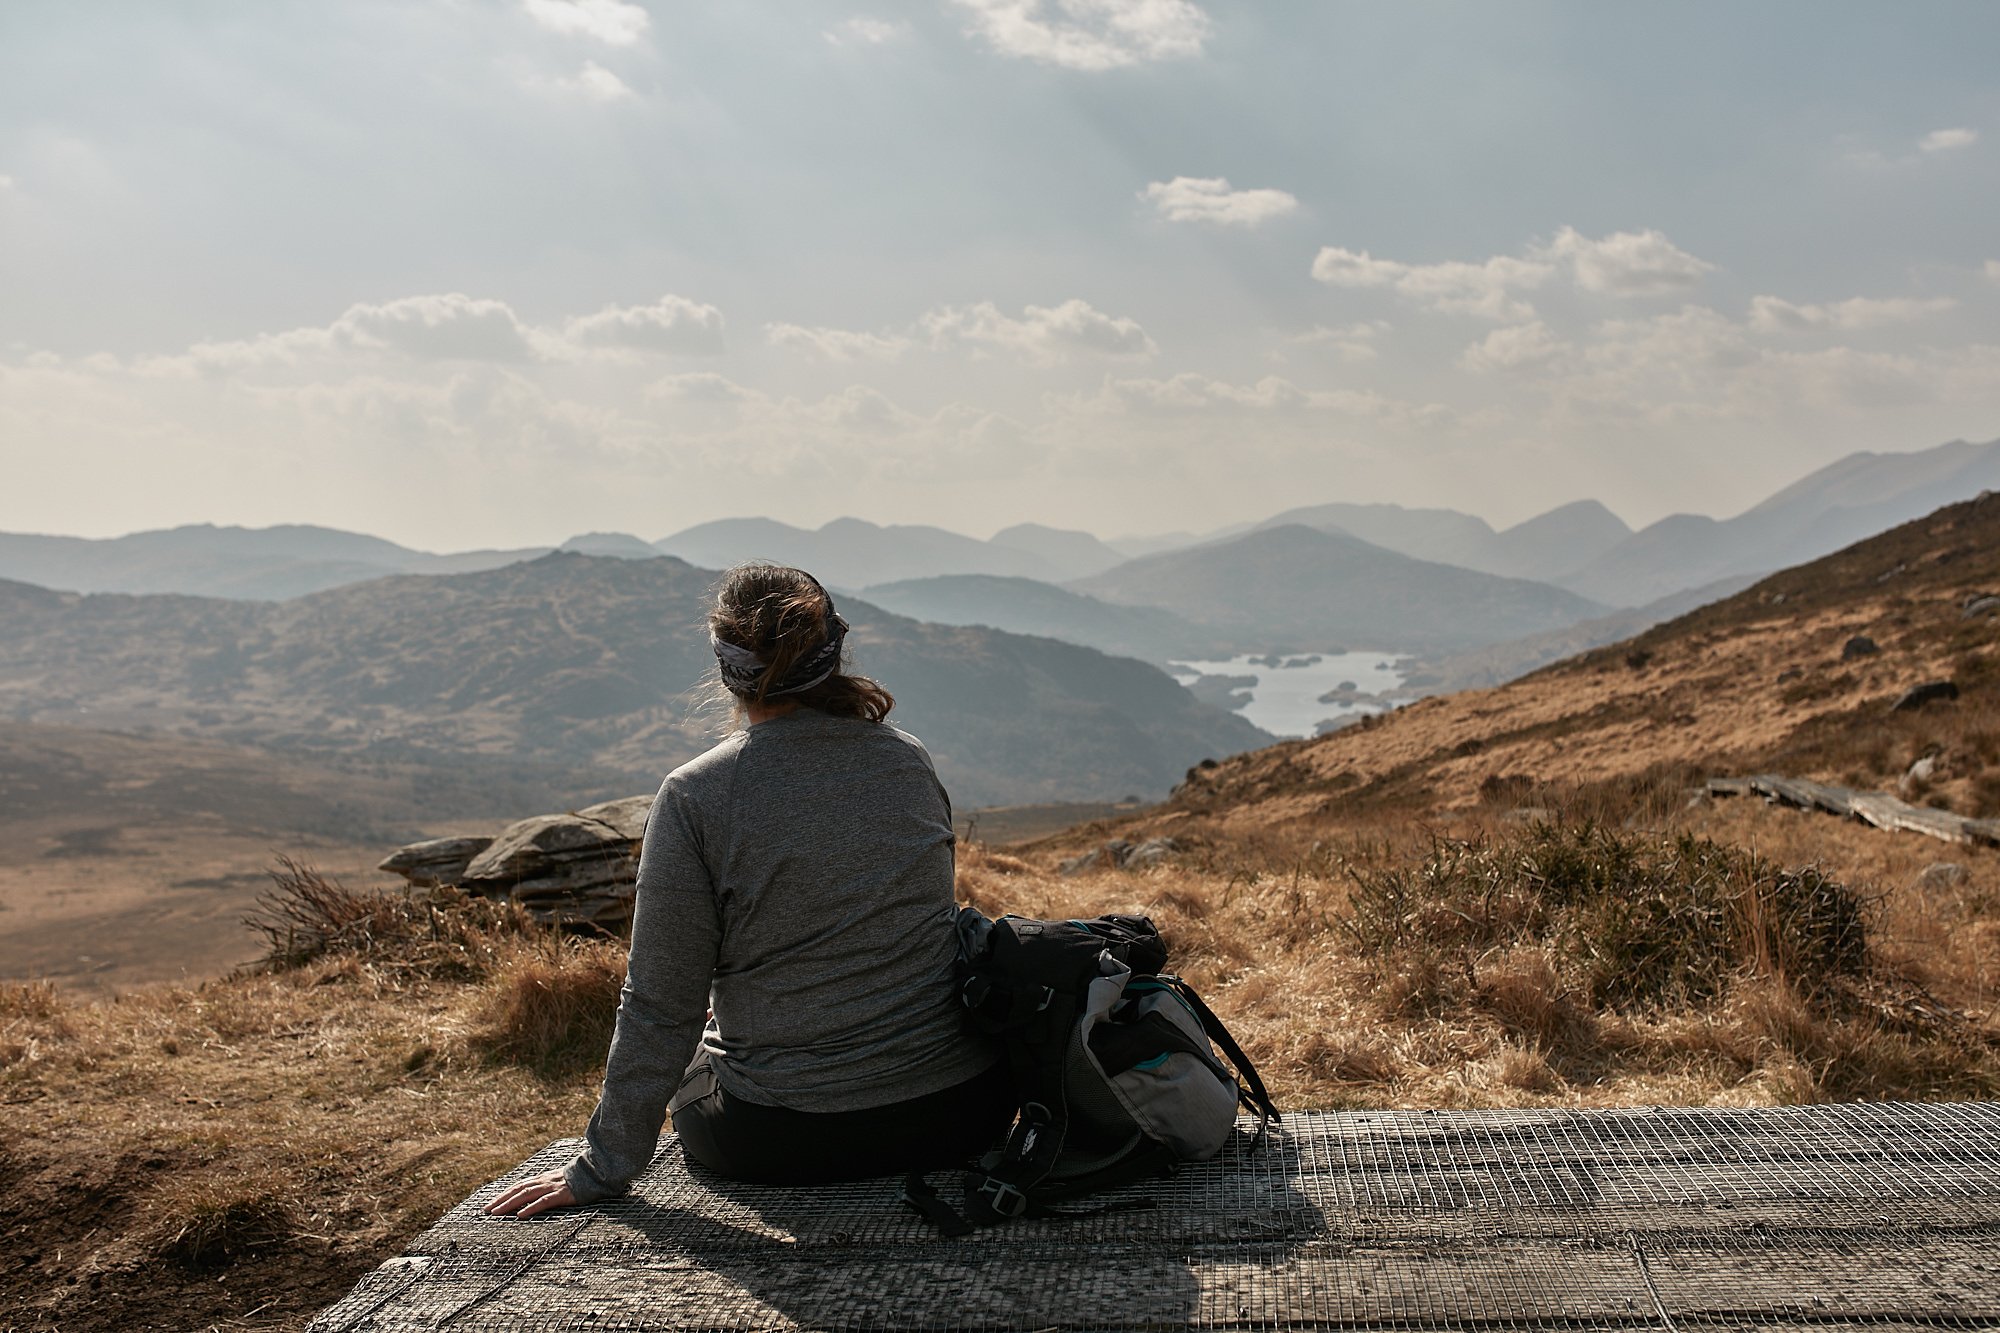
pixel 1295 588
pixel 1158 543
pixel 203 559
pixel 1025 606
pixel 1556 542
pixel 850 552
pixel 1070 554
pixel 1442 535
pixel 572 665
pixel 1857 497
pixel 620 545
pixel 1544 546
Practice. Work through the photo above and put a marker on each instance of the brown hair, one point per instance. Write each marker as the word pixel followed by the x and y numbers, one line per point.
pixel 782 615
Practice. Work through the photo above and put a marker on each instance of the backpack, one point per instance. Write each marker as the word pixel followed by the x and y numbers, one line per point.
pixel 1111 1063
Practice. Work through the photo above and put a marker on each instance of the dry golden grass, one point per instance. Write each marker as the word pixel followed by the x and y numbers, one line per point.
pixel 254 1144
pixel 244 1150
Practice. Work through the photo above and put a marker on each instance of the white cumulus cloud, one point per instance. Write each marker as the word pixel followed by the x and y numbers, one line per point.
pixel 837 344
pixel 1041 333
pixel 1516 349
pixel 670 324
pixel 1944 141
pixel 1626 263
pixel 1211 200
pixel 865 31
pixel 1771 314
pixel 1092 35
pixel 610 21
pixel 1454 286
pixel 451 326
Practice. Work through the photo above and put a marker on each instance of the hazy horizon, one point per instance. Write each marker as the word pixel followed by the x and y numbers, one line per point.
pixel 494 273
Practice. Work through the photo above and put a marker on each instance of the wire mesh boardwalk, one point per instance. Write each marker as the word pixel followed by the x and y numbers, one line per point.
pixel 1829 1218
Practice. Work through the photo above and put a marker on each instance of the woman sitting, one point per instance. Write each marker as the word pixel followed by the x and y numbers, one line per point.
pixel 795 885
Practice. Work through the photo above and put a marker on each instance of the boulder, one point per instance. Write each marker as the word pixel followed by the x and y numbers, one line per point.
pixel 1985 604
pixel 435 861
pixel 1931 691
pixel 625 816
pixel 561 852
pixel 1122 855
pixel 1858 646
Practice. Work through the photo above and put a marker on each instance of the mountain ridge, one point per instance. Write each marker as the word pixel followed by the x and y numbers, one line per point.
pixel 575 664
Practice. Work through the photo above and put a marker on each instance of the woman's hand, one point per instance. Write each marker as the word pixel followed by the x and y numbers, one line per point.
pixel 536 1194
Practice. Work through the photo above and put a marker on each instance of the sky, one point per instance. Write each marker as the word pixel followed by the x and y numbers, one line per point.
pixel 470 273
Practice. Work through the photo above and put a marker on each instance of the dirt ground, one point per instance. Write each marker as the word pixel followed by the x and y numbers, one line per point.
pixel 127 860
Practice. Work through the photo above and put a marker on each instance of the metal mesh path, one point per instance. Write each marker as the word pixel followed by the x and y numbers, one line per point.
pixel 1826 1217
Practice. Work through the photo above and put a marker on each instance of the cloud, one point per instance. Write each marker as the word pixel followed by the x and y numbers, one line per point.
pixel 455 327
pixel 1993 270
pixel 671 324
pixel 865 31
pixel 1091 35
pixel 1452 287
pixel 1210 200
pixel 837 344
pixel 1351 342
pixel 596 83
pixel 1190 393
pixel 447 327
pixel 6 182
pixel 610 21
pixel 1043 333
pixel 1945 141
pixel 1517 349
pixel 1771 314
pixel 1626 263
pixel 856 431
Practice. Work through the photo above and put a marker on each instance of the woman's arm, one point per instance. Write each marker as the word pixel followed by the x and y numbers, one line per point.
pixel 676 937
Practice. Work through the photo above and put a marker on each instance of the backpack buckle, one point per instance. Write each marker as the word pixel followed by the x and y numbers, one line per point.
pixel 1006 1200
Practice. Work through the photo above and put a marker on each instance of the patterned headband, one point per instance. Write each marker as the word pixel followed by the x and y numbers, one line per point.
pixel 742 669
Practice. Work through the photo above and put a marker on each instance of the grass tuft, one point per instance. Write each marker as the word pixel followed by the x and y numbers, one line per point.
pixel 551 1006
pixel 1624 920
pixel 440 932
pixel 201 1223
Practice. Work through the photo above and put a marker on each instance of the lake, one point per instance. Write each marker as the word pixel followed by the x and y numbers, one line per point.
pixel 1285 699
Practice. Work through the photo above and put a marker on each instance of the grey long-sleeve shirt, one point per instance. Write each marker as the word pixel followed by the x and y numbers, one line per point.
pixel 797 878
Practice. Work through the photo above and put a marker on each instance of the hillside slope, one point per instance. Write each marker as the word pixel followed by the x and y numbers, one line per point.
pixel 577 670
pixel 1760 681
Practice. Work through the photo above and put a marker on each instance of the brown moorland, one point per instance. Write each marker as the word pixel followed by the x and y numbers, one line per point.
pixel 1499 898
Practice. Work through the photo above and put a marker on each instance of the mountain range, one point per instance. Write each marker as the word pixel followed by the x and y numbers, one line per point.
pixel 576 670
pixel 1298 589
pixel 1475 602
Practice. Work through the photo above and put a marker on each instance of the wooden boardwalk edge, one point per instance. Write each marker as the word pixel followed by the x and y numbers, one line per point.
pixel 1871 807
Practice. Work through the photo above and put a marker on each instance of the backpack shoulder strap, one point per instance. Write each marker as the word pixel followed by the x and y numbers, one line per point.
pixel 1254 1094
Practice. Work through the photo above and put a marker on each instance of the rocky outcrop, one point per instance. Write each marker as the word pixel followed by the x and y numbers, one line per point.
pixel 436 861
pixel 578 868
pixel 1123 855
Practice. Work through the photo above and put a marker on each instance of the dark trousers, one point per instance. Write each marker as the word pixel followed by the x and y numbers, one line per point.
pixel 772 1145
